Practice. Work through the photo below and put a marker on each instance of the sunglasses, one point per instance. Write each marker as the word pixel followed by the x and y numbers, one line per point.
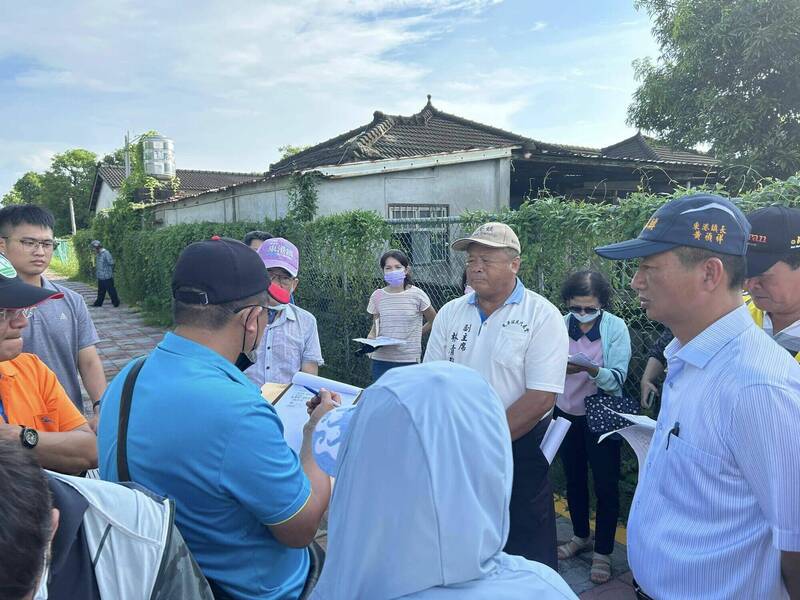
pixel 583 310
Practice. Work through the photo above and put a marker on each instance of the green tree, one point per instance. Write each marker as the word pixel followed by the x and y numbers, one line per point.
pixel 302 197
pixel 71 175
pixel 290 150
pixel 116 158
pixel 12 197
pixel 26 190
pixel 728 75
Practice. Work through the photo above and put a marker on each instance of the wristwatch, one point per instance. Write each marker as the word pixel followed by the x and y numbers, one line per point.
pixel 29 437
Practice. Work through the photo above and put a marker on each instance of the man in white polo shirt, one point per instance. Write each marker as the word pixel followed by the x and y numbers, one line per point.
pixel 517 340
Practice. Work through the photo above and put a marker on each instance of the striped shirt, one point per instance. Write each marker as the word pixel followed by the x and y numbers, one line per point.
pixel 400 316
pixel 289 341
pixel 718 501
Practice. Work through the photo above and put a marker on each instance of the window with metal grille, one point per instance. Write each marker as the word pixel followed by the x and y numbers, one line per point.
pixel 425 241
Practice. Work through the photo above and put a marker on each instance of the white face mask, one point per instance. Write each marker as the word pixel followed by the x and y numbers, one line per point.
pixel 587 317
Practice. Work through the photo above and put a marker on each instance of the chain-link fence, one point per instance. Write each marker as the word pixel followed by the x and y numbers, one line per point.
pixel 339 299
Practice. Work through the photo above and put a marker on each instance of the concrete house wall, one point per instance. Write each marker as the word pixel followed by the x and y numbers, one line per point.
pixel 105 198
pixel 483 185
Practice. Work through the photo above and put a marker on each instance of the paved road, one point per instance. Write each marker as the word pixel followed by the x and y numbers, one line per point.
pixel 124 336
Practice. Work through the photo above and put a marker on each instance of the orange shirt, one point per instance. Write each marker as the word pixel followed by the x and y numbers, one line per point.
pixel 32 396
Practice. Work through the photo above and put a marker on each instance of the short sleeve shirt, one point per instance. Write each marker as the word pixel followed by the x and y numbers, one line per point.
pixel 522 345
pixel 32 396
pixel 201 434
pixel 57 330
pixel 289 341
pixel 400 317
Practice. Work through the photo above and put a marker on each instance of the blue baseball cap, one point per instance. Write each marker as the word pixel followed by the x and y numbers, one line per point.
pixel 704 221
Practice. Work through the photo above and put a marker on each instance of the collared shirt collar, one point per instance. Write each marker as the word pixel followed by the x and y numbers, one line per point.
pixel 7 368
pixel 290 313
pixel 705 345
pixel 575 332
pixel 515 298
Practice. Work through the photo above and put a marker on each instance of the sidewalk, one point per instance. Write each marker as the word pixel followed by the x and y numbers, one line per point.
pixel 124 336
pixel 576 570
pixel 123 333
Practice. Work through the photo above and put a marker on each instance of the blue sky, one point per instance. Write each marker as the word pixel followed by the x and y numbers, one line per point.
pixel 232 81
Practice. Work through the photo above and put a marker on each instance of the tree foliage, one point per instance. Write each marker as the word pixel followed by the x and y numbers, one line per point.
pixel 27 190
pixel 728 75
pixel 290 150
pixel 71 175
pixel 138 179
pixel 303 197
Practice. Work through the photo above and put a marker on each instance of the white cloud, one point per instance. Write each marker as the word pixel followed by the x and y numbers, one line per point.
pixel 230 82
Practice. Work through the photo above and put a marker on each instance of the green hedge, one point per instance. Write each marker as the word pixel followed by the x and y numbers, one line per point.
pixel 339 255
pixel 339 266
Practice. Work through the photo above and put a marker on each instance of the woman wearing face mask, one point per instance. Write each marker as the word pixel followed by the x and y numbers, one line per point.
pixel 397 311
pixel 604 339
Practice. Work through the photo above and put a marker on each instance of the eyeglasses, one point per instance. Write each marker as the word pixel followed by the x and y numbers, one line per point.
pixel 280 277
pixel 9 314
pixel 31 244
pixel 583 310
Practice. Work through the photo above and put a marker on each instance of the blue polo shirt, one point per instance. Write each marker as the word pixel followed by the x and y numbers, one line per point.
pixel 201 434
pixel 515 298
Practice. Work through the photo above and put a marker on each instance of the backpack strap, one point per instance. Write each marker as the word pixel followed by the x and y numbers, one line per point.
pixel 124 416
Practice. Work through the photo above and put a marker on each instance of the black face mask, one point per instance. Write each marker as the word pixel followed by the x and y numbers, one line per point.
pixel 245 360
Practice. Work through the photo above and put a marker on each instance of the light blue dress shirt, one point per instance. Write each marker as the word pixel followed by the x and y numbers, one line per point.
pixel 718 502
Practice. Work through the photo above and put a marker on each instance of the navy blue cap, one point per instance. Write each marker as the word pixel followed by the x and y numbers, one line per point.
pixel 218 270
pixel 774 234
pixel 704 221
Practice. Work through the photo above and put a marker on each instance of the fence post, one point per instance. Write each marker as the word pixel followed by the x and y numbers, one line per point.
pixel 346 336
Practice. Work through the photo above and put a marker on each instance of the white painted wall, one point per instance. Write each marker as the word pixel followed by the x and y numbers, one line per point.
pixel 106 197
pixel 249 202
pixel 483 185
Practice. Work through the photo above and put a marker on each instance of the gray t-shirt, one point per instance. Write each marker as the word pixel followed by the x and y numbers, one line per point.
pixel 56 331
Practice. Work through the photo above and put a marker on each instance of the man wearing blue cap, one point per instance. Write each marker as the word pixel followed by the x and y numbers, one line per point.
pixel 773 274
pixel 199 432
pixel 717 510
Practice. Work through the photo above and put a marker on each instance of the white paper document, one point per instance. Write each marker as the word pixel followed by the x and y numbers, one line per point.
pixel 290 404
pixel 581 360
pixel 638 435
pixel 553 437
pixel 380 341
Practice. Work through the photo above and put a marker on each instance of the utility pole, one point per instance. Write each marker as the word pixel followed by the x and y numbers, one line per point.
pixel 127 155
pixel 72 216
